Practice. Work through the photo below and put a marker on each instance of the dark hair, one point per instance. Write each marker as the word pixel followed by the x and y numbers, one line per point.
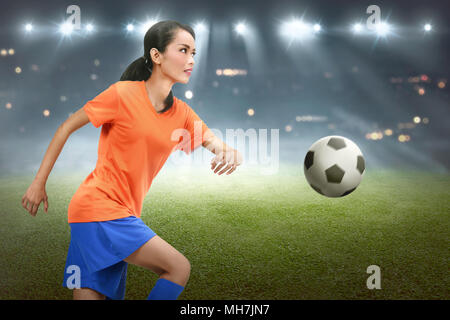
pixel 158 36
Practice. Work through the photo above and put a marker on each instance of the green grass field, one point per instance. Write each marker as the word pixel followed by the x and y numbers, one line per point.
pixel 250 236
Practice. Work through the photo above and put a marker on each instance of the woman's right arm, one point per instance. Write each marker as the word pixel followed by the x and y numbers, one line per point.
pixel 35 193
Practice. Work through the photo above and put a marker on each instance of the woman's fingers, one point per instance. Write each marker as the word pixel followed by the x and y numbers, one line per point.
pixel 217 159
pixel 31 207
pixel 32 199
pixel 232 169
pixel 230 159
pixel 35 209
pixel 28 205
pixel 220 166
pixel 225 169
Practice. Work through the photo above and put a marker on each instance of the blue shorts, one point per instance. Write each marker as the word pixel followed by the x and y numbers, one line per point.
pixel 96 254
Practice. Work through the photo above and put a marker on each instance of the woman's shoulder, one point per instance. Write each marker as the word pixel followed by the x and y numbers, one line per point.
pixel 128 88
pixel 180 103
pixel 127 83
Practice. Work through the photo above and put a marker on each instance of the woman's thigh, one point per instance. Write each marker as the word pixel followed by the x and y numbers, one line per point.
pixel 159 256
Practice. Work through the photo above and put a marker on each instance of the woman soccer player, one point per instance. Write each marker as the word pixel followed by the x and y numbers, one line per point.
pixel 139 116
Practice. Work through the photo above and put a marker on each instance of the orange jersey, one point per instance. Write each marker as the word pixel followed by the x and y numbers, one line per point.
pixel 135 141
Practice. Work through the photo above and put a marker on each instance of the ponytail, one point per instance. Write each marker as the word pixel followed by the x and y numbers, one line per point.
pixel 140 69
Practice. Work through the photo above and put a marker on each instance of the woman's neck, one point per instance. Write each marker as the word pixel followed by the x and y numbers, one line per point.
pixel 158 88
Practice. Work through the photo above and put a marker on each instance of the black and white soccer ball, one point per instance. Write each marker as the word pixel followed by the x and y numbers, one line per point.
pixel 334 166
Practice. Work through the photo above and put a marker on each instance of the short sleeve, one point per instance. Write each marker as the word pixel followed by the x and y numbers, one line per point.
pixel 103 108
pixel 198 132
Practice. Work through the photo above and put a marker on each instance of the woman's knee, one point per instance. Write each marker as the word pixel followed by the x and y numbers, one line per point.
pixel 179 271
pixel 181 266
pixel 160 257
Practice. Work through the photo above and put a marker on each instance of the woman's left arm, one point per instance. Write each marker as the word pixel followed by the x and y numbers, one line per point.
pixel 225 155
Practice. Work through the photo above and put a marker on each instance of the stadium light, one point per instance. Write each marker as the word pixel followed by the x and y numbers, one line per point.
pixel 130 27
pixel 240 28
pixel 188 94
pixel 427 27
pixel 66 28
pixel 357 27
pixel 28 27
pixel 297 29
pixel 147 25
pixel 89 27
pixel 200 27
pixel 382 28
pixel 298 26
pixel 317 27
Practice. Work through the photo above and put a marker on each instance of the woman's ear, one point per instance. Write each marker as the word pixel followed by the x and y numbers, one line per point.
pixel 155 56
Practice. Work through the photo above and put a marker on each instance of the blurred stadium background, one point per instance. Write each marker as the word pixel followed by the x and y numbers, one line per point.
pixel 255 69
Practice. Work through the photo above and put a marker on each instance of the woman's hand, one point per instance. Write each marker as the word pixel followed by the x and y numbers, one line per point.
pixel 231 157
pixel 34 196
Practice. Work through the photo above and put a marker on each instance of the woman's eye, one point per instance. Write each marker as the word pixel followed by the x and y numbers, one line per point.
pixel 186 49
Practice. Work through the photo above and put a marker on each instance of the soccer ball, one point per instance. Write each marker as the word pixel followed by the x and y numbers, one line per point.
pixel 334 166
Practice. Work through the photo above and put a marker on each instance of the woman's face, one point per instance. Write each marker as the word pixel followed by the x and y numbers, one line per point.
pixel 178 57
